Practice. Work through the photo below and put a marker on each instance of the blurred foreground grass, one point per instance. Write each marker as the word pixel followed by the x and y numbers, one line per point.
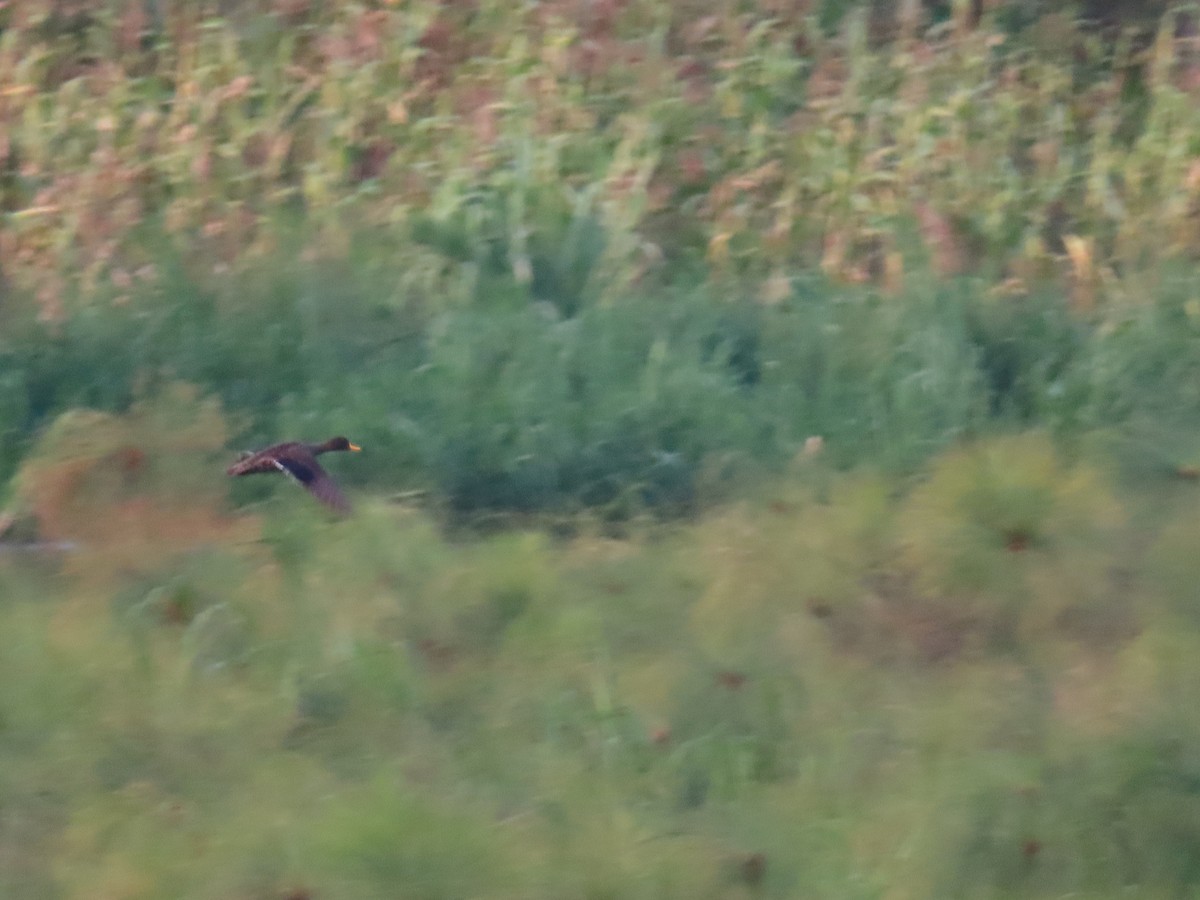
pixel 839 686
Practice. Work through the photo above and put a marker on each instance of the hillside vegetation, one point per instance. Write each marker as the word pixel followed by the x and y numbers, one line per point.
pixel 781 427
pixel 454 228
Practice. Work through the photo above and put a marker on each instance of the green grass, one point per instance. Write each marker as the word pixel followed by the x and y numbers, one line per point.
pixel 382 709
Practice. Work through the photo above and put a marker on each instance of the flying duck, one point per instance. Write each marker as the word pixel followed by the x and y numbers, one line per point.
pixel 299 460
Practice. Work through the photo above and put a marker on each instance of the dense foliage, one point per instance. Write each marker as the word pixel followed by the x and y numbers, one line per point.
pixel 452 228
pixel 577 148
pixel 980 687
pixel 820 379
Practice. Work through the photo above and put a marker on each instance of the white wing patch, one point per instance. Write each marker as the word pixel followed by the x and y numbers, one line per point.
pixel 286 471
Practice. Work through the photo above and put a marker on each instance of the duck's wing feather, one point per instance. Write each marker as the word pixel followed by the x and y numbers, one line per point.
pixel 259 462
pixel 306 470
pixel 252 464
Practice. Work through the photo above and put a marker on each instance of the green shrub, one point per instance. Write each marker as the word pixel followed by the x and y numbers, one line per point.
pixel 645 401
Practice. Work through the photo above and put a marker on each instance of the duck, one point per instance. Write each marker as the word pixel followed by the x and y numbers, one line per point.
pixel 299 461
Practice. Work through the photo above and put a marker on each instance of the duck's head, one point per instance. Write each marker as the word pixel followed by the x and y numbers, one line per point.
pixel 340 443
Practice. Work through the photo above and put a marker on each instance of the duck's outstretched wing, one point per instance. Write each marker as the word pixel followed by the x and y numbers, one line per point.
pixel 260 462
pixel 316 480
pixel 252 464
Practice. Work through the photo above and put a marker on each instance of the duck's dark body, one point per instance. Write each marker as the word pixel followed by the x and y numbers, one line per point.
pixel 299 460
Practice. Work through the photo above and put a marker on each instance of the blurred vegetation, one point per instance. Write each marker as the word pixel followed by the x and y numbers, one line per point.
pixel 576 148
pixel 818 381
pixel 976 687
pixel 599 254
